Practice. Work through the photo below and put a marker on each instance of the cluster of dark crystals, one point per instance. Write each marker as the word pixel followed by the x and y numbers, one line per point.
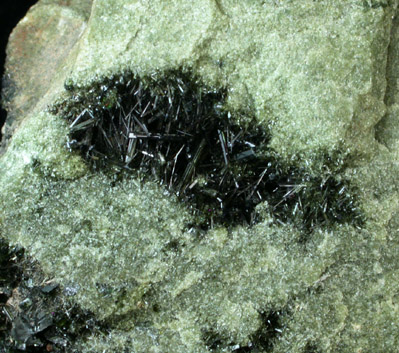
pixel 177 130
pixel 34 317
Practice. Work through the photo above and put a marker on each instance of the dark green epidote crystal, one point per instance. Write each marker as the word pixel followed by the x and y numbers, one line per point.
pixel 177 130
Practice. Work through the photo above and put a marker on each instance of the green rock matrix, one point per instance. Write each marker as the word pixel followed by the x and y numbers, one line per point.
pixel 321 79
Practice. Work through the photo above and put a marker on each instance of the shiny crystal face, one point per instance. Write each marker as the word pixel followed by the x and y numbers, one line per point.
pixel 177 130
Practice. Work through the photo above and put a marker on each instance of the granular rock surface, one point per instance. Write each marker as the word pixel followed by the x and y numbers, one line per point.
pixel 121 179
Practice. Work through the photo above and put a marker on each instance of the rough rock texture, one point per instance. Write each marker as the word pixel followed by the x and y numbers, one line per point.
pixel 321 76
pixel 36 55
